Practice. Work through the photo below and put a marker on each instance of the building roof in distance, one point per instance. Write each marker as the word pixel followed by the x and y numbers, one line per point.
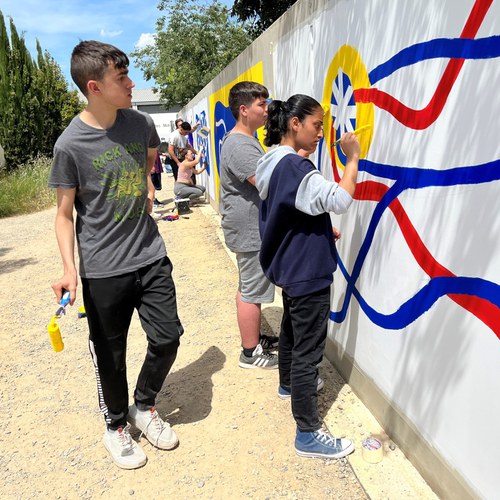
pixel 145 96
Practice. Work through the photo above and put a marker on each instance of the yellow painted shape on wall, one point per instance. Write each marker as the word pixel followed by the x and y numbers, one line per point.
pixel 348 61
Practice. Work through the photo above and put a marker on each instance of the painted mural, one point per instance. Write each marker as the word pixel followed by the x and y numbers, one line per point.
pixel 416 297
pixel 352 106
pixel 199 114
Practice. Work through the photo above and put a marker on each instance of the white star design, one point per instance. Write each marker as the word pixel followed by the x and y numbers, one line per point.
pixel 343 106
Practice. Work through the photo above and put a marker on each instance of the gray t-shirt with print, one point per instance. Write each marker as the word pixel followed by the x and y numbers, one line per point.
pixel 180 143
pixel 240 199
pixel 108 168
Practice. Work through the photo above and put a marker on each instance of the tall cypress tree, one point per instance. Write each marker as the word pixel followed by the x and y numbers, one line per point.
pixel 35 103
pixel 19 141
pixel 4 79
pixel 52 93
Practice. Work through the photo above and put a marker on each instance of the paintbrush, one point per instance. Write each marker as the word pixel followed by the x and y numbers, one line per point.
pixel 357 131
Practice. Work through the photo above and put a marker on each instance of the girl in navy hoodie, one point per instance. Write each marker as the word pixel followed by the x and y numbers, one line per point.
pixel 298 255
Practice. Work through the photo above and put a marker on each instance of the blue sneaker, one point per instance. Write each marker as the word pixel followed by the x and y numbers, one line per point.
pixel 320 444
pixel 286 392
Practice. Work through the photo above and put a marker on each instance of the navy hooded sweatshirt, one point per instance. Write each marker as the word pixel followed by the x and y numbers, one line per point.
pixel 298 248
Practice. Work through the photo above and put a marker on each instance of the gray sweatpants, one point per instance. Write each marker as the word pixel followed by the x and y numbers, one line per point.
pixel 186 191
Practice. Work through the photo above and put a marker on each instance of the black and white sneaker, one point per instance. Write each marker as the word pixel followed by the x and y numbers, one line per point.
pixel 268 341
pixel 259 359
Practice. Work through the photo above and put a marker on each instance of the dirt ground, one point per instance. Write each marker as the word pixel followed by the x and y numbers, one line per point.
pixel 236 435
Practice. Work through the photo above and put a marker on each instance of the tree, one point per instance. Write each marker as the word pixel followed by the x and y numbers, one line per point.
pixel 4 65
pixel 35 102
pixel 17 121
pixel 193 44
pixel 59 104
pixel 260 13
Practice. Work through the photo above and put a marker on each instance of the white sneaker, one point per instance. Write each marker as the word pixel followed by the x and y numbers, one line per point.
pixel 124 451
pixel 157 432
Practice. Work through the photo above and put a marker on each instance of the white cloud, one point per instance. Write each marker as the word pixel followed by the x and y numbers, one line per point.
pixel 145 40
pixel 110 34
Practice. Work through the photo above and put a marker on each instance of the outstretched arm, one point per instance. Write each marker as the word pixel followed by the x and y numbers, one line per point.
pixel 350 145
pixel 151 188
pixel 197 160
pixel 192 163
pixel 65 234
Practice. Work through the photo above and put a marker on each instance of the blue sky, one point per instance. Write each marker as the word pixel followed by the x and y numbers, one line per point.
pixel 59 25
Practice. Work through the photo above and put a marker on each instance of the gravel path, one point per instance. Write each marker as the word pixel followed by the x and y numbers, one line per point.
pixel 236 435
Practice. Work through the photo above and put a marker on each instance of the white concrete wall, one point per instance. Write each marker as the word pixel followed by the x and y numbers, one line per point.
pixel 164 123
pixel 416 305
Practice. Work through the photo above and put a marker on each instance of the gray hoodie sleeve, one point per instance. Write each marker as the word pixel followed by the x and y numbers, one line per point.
pixel 316 195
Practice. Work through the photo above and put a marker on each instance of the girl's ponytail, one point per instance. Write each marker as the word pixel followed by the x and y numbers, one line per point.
pixel 277 122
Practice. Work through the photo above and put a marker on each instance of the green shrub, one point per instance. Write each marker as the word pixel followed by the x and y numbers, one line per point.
pixel 25 190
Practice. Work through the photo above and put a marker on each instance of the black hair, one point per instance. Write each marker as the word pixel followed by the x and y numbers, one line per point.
pixel 244 93
pixel 186 126
pixel 90 60
pixel 279 114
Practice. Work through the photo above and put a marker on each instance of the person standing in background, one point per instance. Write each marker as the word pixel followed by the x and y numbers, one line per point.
pixel 178 145
pixel 156 178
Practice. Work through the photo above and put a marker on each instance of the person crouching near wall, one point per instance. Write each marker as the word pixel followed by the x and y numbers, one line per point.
pixel 184 186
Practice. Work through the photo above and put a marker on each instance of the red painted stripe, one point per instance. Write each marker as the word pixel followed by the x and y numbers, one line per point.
pixel 423 118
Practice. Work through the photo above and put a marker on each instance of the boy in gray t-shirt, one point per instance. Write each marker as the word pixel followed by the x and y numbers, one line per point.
pixel 178 145
pixel 101 169
pixel 240 152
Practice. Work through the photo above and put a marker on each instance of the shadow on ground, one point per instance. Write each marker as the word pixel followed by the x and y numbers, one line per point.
pixel 12 265
pixel 186 396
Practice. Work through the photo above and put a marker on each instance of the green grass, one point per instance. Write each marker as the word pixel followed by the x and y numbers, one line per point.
pixel 25 190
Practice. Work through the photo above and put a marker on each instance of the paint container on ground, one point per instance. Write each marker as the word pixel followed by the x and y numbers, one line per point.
pixel 182 205
pixel 373 451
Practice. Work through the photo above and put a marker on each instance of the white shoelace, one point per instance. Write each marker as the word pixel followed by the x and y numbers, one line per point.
pixel 156 423
pixel 326 438
pixel 125 441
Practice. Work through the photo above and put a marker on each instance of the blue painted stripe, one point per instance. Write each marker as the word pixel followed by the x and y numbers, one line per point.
pixel 422 301
pixel 451 48
pixel 415 178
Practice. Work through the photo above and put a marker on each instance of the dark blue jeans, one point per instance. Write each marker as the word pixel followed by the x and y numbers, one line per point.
pixel 109 304
pixel 175 168
pixel 156 180
pixel 301 347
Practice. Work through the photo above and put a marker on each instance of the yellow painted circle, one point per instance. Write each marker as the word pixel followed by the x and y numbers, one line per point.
pixel 347 61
